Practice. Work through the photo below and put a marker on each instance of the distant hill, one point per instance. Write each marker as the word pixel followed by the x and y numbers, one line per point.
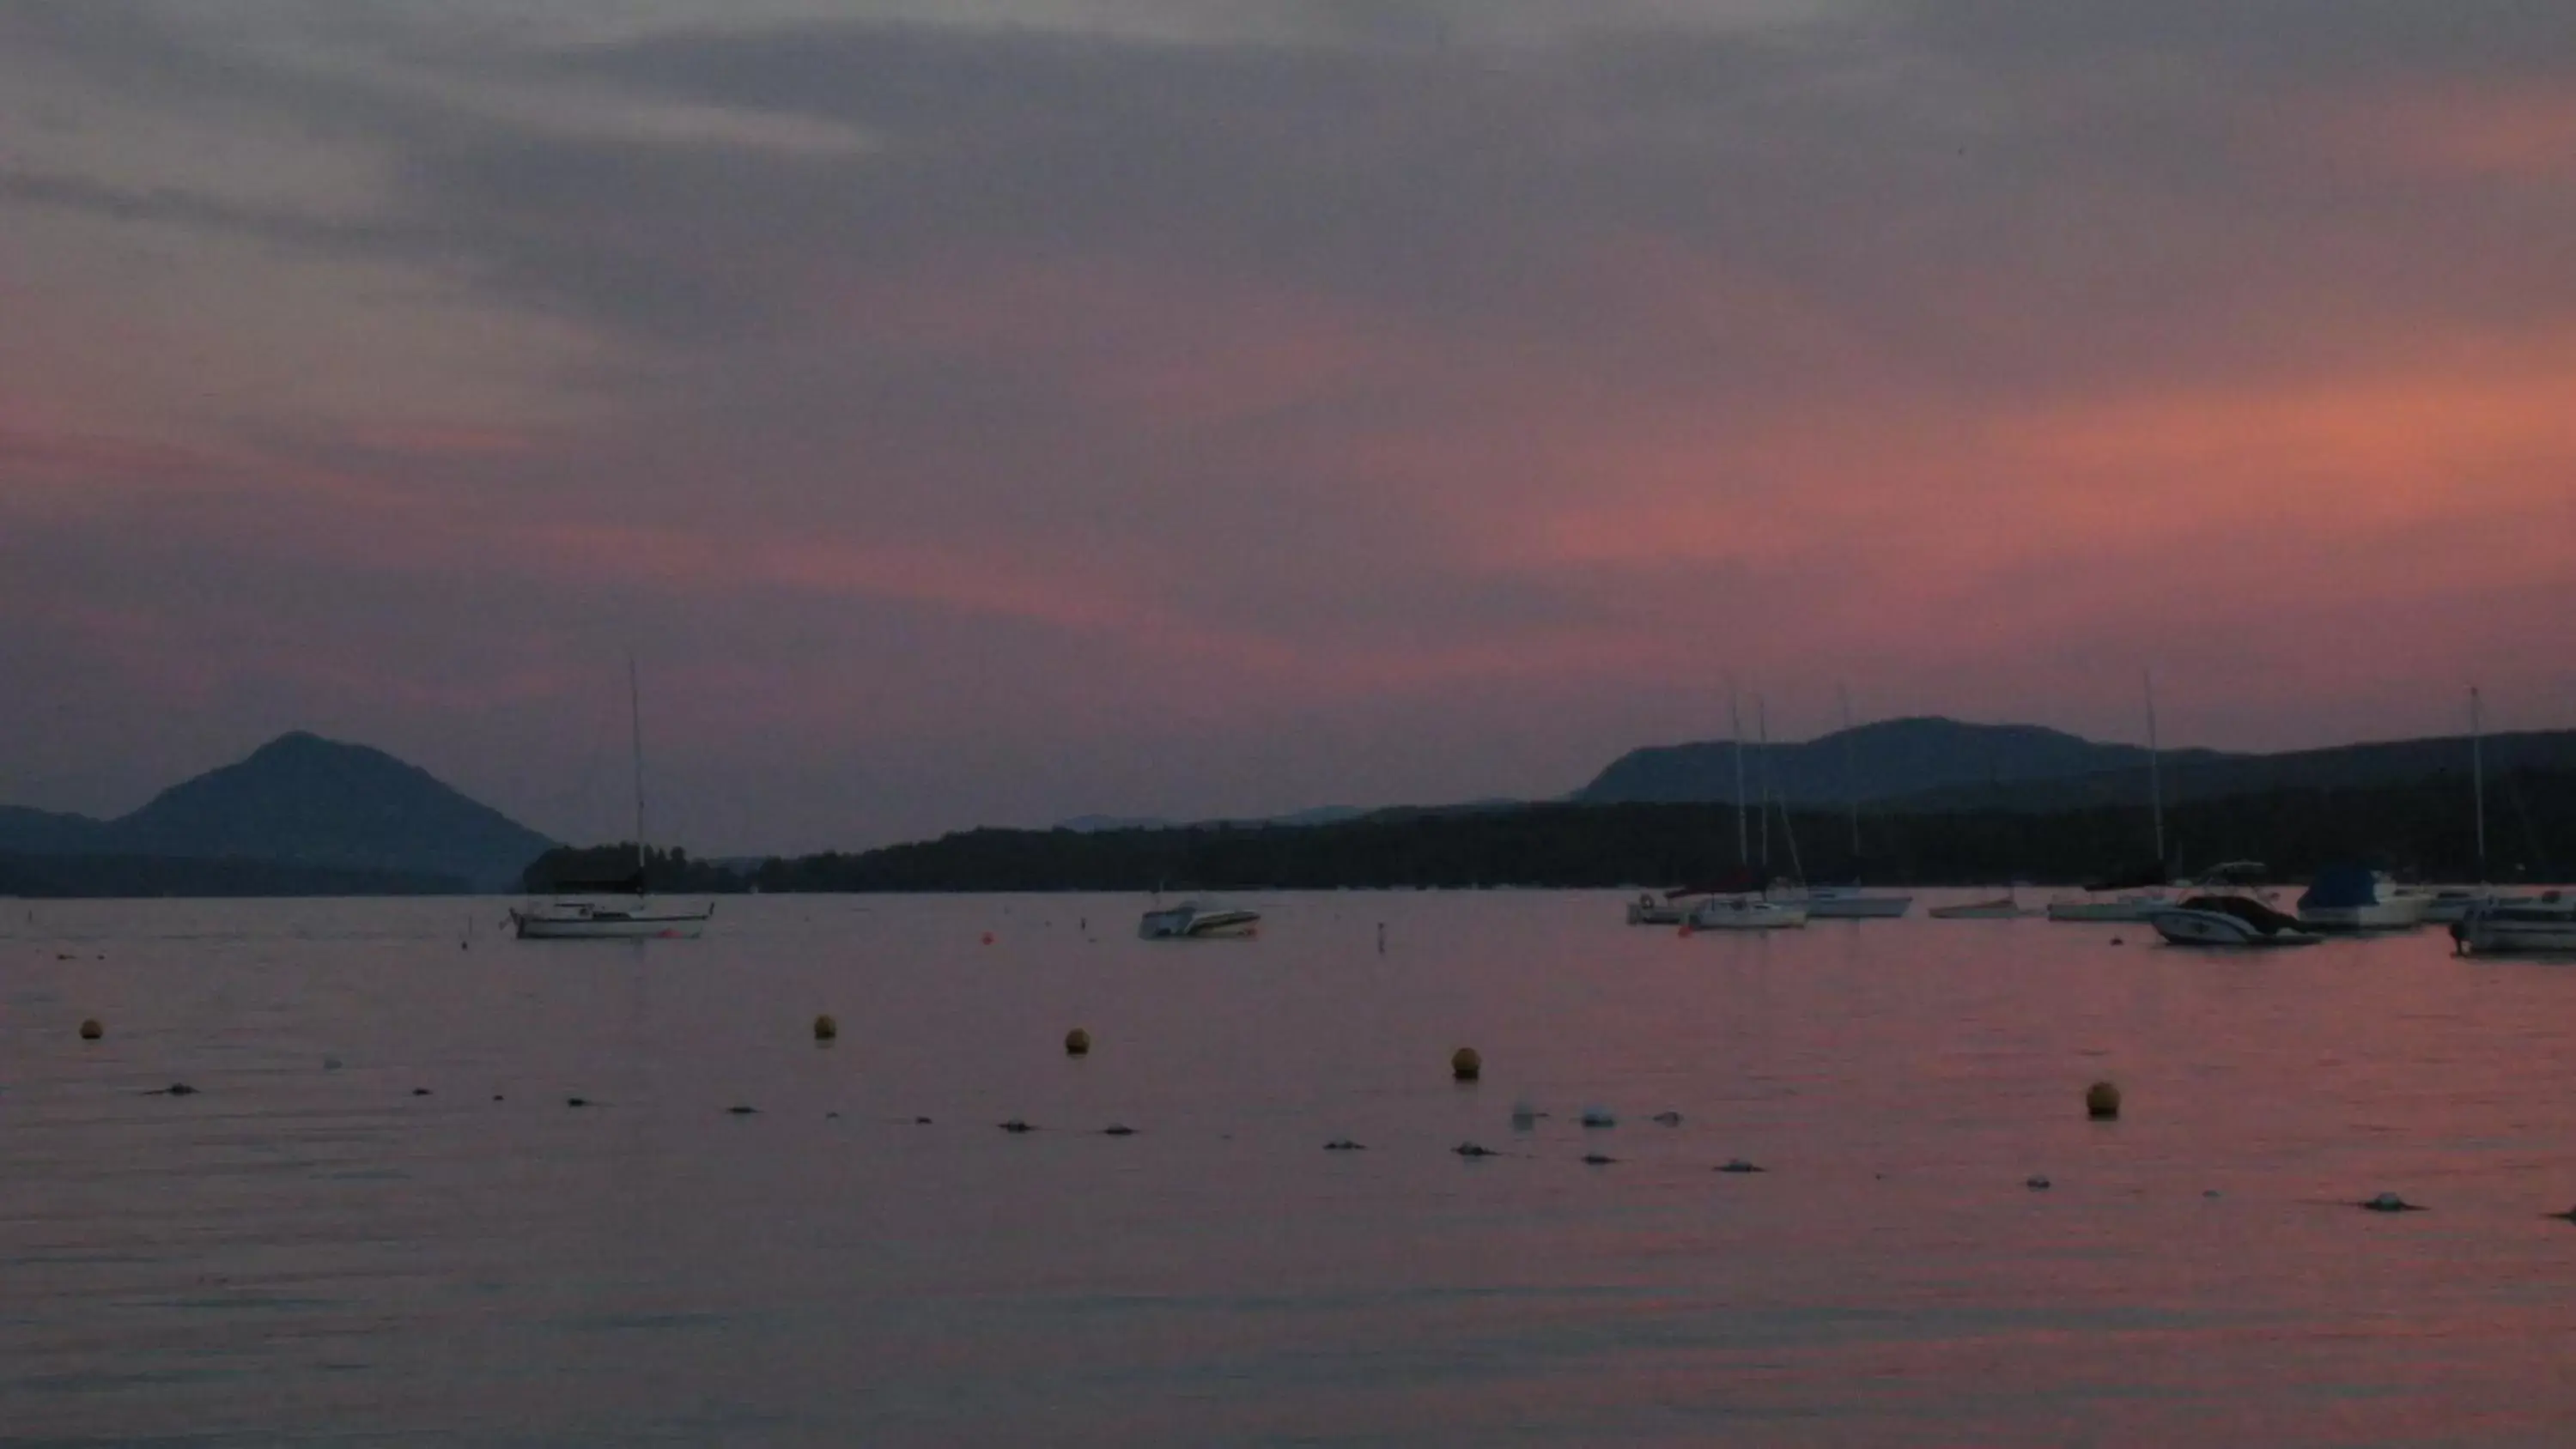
pixel 303 801
pixel 1880 761
pixel 41 832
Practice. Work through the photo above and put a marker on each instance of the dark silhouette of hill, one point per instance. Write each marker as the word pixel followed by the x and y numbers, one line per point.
pixel 304 801
pixel 1879 761
pixel 2203 776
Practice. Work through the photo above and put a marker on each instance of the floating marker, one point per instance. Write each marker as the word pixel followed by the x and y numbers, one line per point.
pixel 2389 1202
pixel 420 1091
pixel 1343 1144
pixel 90 1030
pixel 1668 1119
pixel 576 1101
pixel 1015 1127
pixel 739 1110
pixel 1599 1117
pixel 2035 1183
pixel 1598 1159
pixel 1470 1149
pixel 1077 1043
pixel 1117 1129
pixel 1737 1164
pixel 988 938
pixel 825 1028
pixel 1465 1064
pixel 2102 1101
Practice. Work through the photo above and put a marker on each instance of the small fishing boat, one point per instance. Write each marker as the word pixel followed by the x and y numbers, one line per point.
pixel 1196 920
pixel 2542 924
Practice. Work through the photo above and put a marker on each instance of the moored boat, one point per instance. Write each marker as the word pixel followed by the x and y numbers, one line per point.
pixel 2229 920
pixel 1745 913
pixel 2350 898
pixel 1198 921
pixel 2541 924
pixel 574 917
pixel 1849 903
pixel 617 910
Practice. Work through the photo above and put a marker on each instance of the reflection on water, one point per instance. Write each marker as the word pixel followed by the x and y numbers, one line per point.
pixel 322 1251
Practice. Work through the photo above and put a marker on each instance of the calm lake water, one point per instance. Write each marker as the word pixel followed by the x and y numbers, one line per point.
pixel 311 1252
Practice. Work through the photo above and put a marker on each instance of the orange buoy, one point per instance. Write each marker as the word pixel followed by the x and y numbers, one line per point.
pixel 988 938
pixel 2102 1101
pixel 825 1028
pixel 1077 1042
pixel 90 1030
pixel 1465 1064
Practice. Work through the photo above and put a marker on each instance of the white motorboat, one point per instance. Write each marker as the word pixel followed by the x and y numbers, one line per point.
pixel 2349 898
pixel 1199 921
pixel 613 910
pixel 2002 908
pixel 1745 913
pixel 1849 903
pixel 2229 920
pixel 2541 924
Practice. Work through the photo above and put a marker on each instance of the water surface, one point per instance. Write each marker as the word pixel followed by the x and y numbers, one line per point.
pixel 308 1250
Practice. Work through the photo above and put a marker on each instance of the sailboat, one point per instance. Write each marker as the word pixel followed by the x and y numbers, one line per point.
pixel 2136 896
pixel 613 909
pixel 1740 904
pixel 1847 902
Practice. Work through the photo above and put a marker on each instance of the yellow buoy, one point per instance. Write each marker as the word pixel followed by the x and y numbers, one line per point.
pixel 2102 1101
pixel 1077 1042
pixel 1465 1064
pixel 91 1030
pixel 825 1028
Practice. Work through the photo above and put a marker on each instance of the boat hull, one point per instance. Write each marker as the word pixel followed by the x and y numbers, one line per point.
pixel 1657 913
pixel 2541 926
pixel 1857 907
pixel 1188 924
pixel 1747 916
pixel 2401 913
pixel 2219 929
pixel 657 926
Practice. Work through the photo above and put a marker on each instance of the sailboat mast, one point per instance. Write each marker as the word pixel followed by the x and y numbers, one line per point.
pixel 2478 775
pixel 635 720
pixel 1762 724
pixel 1851 777
pixel 2155 779
pixel 1735 727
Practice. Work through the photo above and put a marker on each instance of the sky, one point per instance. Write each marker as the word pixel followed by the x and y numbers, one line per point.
pixel 993 411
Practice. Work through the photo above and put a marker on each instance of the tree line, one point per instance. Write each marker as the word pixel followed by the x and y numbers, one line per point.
pixel 2421 830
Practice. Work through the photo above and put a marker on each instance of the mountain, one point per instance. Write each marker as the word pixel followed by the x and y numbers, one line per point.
pixel 2199 775
pixel 1880 761
pixel 41 832
pixel 304 801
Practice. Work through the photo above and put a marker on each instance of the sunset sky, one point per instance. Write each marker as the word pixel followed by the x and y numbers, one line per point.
pixel 990 411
